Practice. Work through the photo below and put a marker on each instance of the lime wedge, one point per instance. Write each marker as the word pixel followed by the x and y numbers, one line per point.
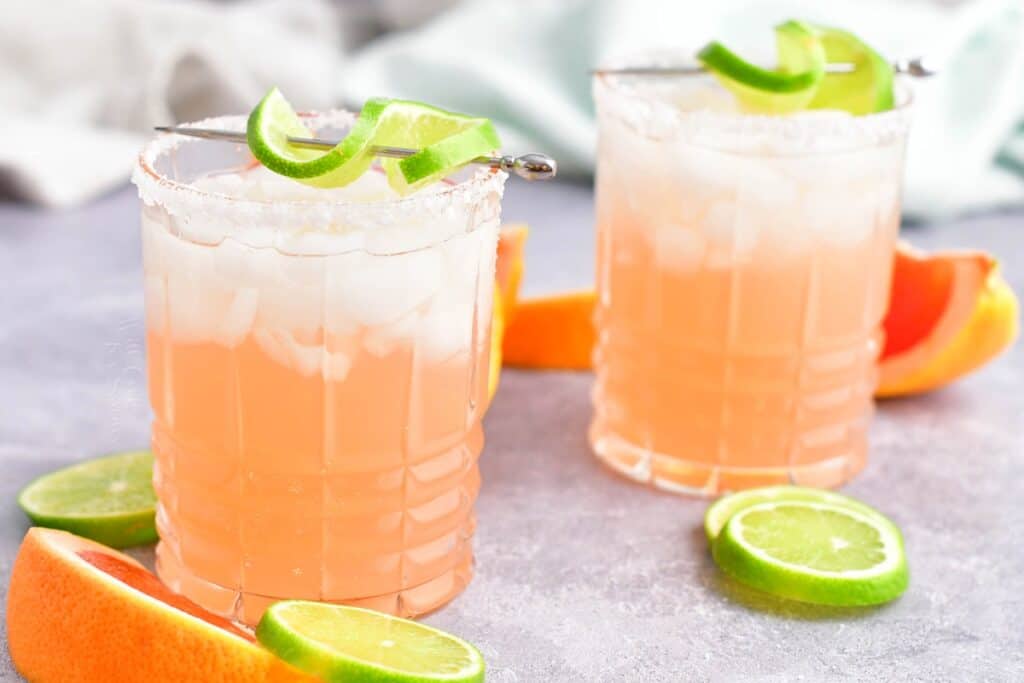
pixel 801 58
pixel 445 141
pixel 109 499
pixel 719 512
pixel 814 552
pixel 867 90
pixel 339 643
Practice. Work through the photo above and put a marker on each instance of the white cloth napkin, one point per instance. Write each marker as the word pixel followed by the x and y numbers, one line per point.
pixel 82 81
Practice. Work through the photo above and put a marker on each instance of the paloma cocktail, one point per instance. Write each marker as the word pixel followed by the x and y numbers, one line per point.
pixel 743 273
pixel 318 371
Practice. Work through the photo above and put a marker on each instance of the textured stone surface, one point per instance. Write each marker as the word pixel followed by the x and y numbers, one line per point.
pixel 581 576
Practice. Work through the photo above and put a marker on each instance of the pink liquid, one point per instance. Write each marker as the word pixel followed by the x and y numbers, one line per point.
pixel 740 298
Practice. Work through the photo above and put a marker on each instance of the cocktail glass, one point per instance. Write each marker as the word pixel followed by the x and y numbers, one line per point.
pixel 318 364
pixel 743 273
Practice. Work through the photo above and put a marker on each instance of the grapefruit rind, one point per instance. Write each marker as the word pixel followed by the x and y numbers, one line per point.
pixel 69 620
pixel 979 321
pixel 508 273
pixel 509 266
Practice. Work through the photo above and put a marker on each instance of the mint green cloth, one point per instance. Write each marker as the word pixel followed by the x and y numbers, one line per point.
pixel 525 64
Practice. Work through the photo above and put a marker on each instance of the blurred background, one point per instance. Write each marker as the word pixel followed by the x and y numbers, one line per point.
pixel 82 82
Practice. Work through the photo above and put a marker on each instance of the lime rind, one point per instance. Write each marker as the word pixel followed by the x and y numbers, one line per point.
pixel 801 81
pixel 867 90
pixel 801 58
pixel 436 160
pixel 267 131
pixel 109 499
pixel 445 140
pixel 282 631
pixel 749 564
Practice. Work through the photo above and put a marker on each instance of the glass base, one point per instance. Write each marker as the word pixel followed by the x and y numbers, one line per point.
pixel 704 478
pixel 247 608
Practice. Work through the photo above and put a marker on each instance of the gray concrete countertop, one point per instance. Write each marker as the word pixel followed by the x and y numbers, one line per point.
pixel 581 575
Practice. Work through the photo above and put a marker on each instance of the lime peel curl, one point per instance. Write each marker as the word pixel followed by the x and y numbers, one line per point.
pixel 801 81
pixel 445 140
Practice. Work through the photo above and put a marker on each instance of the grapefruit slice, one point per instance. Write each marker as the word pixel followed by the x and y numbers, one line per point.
pixel 949 313
pixel 509 269
pixel 508 274
pixel 553 332
pixel 80 611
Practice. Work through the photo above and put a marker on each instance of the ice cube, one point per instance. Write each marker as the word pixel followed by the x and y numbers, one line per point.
pixel 785 234
pixel 446 327
pixel 284 302
pixel 732 233
pixel 336 366
pixel 763 186
pixel 373 290
pixel 283 348
pixel 196 303
pixel 234 263
pixel 705 174
pixel 843 220
pixel 239 318
pixel 382 340
pixel 156 302
pixel 679 247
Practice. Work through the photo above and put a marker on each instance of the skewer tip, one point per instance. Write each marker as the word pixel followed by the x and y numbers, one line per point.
pixel 535 167
pixel 918 67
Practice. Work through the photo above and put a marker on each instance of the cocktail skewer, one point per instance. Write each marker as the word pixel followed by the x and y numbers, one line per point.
pixel 918 67
pixel 528 166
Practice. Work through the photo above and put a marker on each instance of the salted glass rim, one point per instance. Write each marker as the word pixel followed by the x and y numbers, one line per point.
pixel 184 198
pixel 654 116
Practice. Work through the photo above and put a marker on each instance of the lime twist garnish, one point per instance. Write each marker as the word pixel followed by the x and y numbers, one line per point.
pixel 807 545
pixel 445 140
pixel 801 81
pixel 109 499
pixel 867 90
pixel 339 643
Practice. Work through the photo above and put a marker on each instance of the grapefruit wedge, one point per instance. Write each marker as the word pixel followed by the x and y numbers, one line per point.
pixel 949 313
pixel 508 274
pixel 80 611
pixel 509 267
pixel 553 332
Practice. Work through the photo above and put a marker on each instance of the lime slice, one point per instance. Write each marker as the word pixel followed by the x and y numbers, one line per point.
pixel 109 499
pixel 814 552
pixel 446 141
pixel 801 58
pixel 867 90
pixel 719 512
pixel 339 643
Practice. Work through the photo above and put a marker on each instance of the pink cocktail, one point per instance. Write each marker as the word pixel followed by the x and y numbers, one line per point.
pixel 318 364
pixel 743 274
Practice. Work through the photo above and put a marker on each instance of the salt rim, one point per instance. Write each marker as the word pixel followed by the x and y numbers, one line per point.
pixel 182 199
pixel 657 118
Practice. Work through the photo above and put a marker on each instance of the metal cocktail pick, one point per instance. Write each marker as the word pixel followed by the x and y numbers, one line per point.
pixel 918 67
pixel 528 166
